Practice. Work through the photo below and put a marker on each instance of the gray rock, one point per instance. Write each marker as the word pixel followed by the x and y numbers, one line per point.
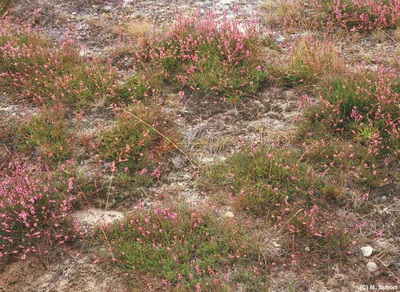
pixel 367 250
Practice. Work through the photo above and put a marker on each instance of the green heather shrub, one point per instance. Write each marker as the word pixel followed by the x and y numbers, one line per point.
pixel 264 178
pixel 276 185
pixel 32 68
pixel 46 132
pixel 133 144
pixel 185 249
pixel 364 108
pixel 363 15
pixel 353 15
pixel 205 55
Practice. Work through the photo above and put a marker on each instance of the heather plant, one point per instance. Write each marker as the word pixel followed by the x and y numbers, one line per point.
pixel 34 214
pixel 363 15
pixel 262 178
pixel 140 137
pixel 46 132
pixel 277 185
pixel 364 108
pixel 185 249
pixel 34 69
pixel 355 15
pixel 205 55
pixel 349 163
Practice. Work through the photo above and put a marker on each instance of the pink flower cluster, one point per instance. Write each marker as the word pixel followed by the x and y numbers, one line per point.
pixel 33 213
pixel 366 14
pixel 205 53
pixel 33 69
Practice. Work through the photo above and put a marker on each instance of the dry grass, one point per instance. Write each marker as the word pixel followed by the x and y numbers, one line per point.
pixel 292 14
pixel 310 60
pixel 138 29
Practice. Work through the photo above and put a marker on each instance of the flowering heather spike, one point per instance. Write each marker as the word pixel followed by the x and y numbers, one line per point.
pixel 33 214
pixel 365 15
pixel 32 68
pixel 206 54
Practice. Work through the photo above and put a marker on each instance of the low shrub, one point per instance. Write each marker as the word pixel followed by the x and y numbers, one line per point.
pixel 361 15
pixel 34 69
pixel 184 249
pixel 354 15
pixel 277 185
pixel 46 132
pixel 206 55
pixel 34 214
pixel 364 108
pixel 135 143
pixel 262 179
pixel 3 6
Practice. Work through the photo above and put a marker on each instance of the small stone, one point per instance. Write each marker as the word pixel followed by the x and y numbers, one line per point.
pixel 372 267
pixel 367 250
pixel 383 199
pixel 229 215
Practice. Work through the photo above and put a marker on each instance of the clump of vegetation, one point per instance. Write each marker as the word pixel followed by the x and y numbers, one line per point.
pixel 138 29
pixel 352 132
pixel 47 132
pixel 276 184
pixel 310 61
pixel 262 179
pixel 363 15
pixel 140 137
pixel 354 15
pixel 34 69
pixel 34 214
pixel 185 249
pixel 289 14
pixel 364 108
pixel 206 55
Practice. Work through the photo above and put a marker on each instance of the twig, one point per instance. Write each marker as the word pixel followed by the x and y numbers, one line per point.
pixel 108 242
pixel 397 278
pixel 108 192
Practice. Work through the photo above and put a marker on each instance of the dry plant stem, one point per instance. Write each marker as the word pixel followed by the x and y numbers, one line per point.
pixel 383 264
pixel 165 137
pixel 108 192
pixel 108 242
pixel 290 219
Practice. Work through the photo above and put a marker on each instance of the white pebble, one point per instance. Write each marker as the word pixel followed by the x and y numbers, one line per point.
pixel 372 267
pixel 229 215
